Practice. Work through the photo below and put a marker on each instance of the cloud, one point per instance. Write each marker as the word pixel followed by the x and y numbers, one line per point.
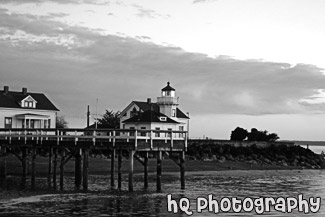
pixel 96 2
pixel 119 69
pixel 148 13
pixel 203 1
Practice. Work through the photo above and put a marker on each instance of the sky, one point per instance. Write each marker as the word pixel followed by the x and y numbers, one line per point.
pixel 253 63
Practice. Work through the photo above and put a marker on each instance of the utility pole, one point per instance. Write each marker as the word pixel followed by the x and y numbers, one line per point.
pixel 96 114
pixel 88 116
pixel 188 125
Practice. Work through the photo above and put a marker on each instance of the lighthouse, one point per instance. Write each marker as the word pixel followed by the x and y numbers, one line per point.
pixel 168 101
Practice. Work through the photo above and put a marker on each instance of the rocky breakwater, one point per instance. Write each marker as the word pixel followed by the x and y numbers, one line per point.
pixel 272 155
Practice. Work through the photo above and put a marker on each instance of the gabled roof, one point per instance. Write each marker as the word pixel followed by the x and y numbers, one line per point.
pixel 168 87
pixel 28 97
pixel 144 106
pixel 150 116
pixel 11 99
pixel 99 126
pixel 180 114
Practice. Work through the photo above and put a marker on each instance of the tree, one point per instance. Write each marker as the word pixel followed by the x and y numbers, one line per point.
pixel 273 137
pixel 256 135
pixel 110 120
pixel 239 134
pixel 61 122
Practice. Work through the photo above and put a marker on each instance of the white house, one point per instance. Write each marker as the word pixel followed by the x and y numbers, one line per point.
pixel 26 110
pixel 162 115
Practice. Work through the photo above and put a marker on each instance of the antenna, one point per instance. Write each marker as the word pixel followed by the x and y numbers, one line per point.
pixel 96 114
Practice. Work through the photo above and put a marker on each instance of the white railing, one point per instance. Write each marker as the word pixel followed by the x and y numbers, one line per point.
pixel 93 135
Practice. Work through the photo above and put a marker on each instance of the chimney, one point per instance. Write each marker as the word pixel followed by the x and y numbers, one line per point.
pixel 149 100
pixel 6 89
pixel 24 90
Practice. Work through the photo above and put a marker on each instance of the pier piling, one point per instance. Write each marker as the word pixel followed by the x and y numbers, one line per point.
pixel 159 170
pixel 182 169
pixel 55 153
pixel 3 164
pixel 62 169
pixel 33 170
pixel 78 169
pixel 131 168
pixel 112 168
pixel 85 169
pixel 145 168
pixel 24 167
pixel 49 173
pixel 119 166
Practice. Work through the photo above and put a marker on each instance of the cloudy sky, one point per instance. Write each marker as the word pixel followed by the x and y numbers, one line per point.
pixel 252 63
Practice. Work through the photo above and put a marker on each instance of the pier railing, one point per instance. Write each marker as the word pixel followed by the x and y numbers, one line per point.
pixel 126 138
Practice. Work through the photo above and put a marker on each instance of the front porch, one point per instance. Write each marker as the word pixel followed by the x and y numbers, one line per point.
pixel 31 121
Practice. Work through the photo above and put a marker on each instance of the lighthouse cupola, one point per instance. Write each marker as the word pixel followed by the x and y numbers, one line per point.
pixel 168 101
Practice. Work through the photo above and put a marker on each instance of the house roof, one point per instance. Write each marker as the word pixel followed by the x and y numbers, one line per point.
pixel 168 87
pixel 144 106
pixel 180 114
pixel 99 126
pixel 11 99
pixel 150 116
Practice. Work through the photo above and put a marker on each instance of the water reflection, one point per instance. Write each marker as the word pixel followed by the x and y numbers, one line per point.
pixel 238 184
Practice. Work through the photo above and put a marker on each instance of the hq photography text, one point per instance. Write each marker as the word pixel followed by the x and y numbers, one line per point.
pixel 259 205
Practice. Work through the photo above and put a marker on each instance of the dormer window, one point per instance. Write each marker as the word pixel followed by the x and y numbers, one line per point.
pixel 28 102
pixel 162 118
pixel 133 112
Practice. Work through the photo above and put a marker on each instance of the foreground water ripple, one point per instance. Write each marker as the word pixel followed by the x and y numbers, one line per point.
pixel 241 184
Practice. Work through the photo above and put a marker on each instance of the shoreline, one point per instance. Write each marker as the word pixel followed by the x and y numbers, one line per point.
pixel 169 167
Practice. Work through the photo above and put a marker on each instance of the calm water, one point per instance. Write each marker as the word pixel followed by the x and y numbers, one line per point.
pixel 240 184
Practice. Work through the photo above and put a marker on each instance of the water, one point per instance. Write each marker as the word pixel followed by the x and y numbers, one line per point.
pixel 240 184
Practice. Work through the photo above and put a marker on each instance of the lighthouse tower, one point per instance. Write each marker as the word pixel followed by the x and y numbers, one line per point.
pixel 168 101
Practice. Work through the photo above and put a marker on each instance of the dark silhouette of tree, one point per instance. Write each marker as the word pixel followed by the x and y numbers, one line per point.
pixel 61 122
pixel 273 137
pixel 256 135
pixel 238 134
pixel 110 120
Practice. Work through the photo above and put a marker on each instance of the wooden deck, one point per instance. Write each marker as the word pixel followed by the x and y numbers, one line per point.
pixel 77 143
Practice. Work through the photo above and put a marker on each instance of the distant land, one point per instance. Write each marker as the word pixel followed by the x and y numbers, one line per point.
pixel 315 146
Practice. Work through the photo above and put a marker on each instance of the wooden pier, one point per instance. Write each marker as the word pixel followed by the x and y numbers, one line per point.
pixel 61 145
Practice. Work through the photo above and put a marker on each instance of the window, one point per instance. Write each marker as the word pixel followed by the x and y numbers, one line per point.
pixel 173 112
pixel 162 118
pixel 143 133
pixel 181 128
pixel 32 124
pixel 169 134
pixel 8 122
pixel 157 134
pixel 167 93
pixel 47 123
pixel 29 104
pixel 133 112
pixel 132 133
